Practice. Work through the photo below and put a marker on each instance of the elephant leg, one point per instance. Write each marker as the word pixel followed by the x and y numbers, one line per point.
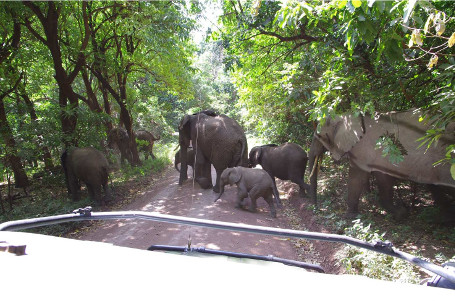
pixel 254 193
pixel 73 186
pixel 269 199
pixel 202 172
pixel 94 192
pixel 303 187
pixel 241 195
pixel 356 182
pixel 444 198
pixel 107 194
pixel 385 188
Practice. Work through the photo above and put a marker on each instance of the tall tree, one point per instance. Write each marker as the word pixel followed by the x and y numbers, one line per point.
pixel 48 15
pixel 9 45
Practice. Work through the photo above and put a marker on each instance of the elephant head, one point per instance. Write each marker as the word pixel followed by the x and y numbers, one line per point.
pixel 340 134
pixel 229 176
pixel 188 131
pixel 118 137
pixel 254 157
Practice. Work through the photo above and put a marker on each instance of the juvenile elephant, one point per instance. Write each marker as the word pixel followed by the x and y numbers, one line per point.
pixel 118 137
pixel 357 136
pixel 146 140
pixel 89 166
pixel 253 182
pixel 189 158
pixel 217 139
pixel 286 162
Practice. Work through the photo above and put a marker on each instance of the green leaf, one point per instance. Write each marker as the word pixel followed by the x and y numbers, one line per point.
pixel 452 171
pixel 356 3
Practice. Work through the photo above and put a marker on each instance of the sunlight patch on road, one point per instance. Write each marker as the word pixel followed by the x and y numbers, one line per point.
pixel 213 246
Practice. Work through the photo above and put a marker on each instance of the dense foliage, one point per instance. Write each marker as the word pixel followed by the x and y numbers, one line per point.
pixel 295 62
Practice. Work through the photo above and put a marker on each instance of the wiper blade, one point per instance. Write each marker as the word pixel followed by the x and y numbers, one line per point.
pixel 304 265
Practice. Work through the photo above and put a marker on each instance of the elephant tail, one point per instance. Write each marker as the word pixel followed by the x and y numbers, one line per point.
pixel 239 161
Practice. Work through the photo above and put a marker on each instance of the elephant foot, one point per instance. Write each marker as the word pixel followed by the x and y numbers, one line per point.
pixel 216 189
pixel 273 214
pixel 204 183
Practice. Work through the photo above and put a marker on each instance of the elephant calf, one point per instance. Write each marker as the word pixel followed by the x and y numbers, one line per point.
pixel 89 166
pixel 189 158
pixel 286 162
pixel 146 141
pixel 253 182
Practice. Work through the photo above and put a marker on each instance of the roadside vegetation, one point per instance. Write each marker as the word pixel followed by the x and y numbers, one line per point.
pixel 71 71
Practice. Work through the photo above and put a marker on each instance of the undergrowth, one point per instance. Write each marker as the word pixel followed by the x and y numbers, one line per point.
pixel 48 196
pixel 418 235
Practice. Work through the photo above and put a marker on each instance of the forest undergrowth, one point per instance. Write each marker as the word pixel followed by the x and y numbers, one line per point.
pixel 420 234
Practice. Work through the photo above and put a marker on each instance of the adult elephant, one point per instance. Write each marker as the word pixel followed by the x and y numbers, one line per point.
pixel 118 137
pixel 286 162
pixel 145 142
pixel 89 166
pixel 216 139
pixel 356 137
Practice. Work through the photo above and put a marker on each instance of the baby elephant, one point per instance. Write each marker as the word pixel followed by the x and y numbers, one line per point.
pixel 189 156
pixel 253 182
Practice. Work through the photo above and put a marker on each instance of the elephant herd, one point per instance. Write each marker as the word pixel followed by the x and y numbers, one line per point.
pixel 219 140
pixel 207 138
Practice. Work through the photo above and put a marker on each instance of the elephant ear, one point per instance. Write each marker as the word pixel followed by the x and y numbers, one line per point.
pixel 347 133
pixel 234 175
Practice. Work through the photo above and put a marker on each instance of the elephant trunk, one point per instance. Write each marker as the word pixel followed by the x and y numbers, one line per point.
pixel 222 184
pixel 316 151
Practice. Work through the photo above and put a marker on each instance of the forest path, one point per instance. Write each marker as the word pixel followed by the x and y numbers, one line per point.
pixel 165 196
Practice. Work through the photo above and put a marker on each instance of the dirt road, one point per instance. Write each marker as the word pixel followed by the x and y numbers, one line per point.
pixel 167 197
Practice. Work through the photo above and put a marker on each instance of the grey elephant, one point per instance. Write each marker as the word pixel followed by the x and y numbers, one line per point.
pixel 216 139
pixel 356 137
pixel 251 182
pixel 89 166
pixel 146 141
pixel 118 137
pixel 189 157
pixel 286 162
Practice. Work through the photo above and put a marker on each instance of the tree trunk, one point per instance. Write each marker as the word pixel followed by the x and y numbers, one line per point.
pixel 68 115
pixel 12 159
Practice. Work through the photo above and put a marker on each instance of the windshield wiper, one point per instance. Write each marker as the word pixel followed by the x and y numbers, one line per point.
pixel 203 250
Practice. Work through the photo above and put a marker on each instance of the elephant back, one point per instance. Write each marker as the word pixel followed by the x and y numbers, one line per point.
pixel 222 140
pixel 89 165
